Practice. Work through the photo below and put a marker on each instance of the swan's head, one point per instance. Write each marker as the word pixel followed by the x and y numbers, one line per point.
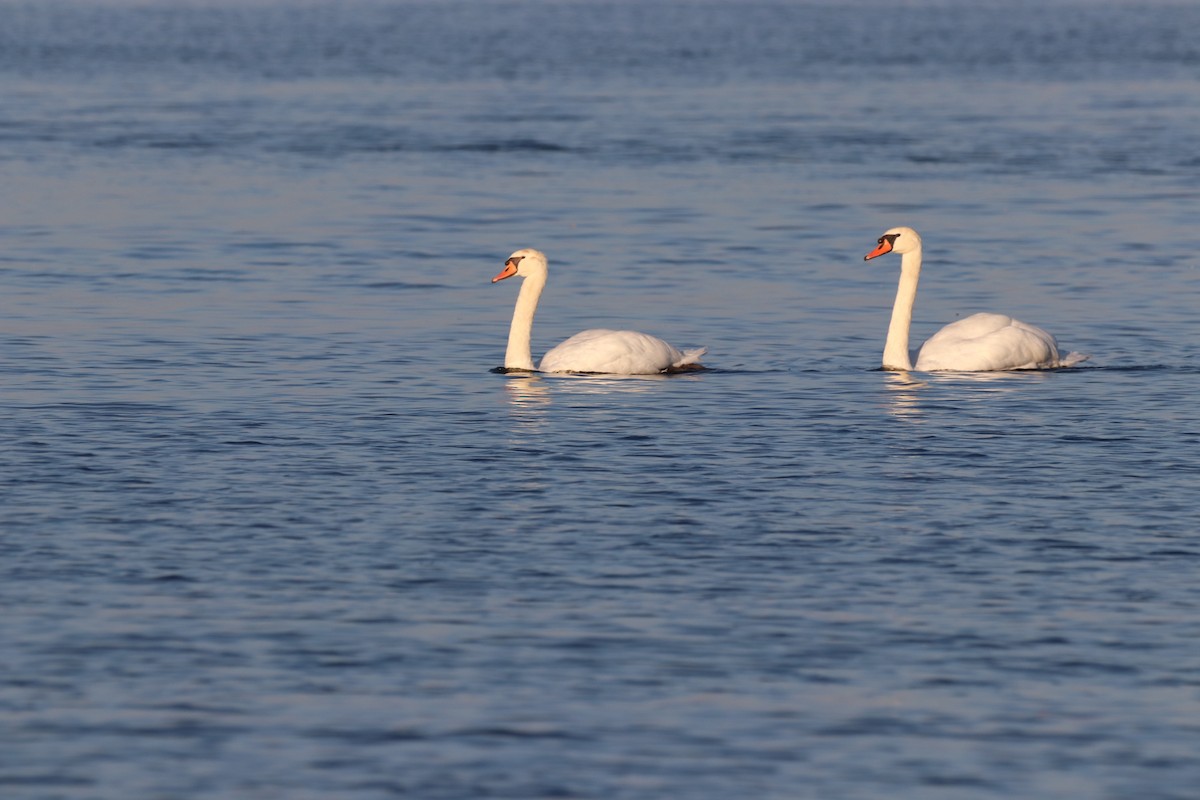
pixel 524 262
pixel 895 240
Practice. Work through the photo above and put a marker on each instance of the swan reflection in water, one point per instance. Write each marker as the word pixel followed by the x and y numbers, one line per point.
pixel 577 383
pixel 532 390
pixel 528 399
pixel 904 395
pixel 531 394
pixel 905 389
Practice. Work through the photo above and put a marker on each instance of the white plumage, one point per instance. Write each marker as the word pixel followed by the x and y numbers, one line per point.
pixel 596 350
pixel 616 352
pixel 979 343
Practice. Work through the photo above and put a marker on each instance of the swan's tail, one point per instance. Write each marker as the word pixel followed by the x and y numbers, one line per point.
pixel 689 358
pixel 1071 359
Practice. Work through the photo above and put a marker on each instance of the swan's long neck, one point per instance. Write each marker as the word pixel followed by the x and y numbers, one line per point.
pixel 895 350
pixel 518 355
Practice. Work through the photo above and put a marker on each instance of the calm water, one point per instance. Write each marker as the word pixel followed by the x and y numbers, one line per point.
pixel 272 529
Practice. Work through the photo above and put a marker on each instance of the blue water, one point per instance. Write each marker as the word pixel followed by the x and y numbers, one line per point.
pixel 271 528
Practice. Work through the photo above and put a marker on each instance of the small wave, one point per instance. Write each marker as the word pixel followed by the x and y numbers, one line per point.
pixel 402 286
pixel 505 146
pixel 1185 369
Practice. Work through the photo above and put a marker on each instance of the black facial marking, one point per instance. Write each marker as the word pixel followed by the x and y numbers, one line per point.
pixel 891 238
pixel 515 261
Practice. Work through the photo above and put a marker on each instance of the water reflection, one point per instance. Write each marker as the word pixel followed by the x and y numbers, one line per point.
pixel 996 379
pixel 904 389
pixel 529 388
pixel 530 394
pixel 528 398
pixel 609 384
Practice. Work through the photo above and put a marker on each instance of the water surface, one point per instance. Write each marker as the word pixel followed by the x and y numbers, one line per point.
pixel 271 528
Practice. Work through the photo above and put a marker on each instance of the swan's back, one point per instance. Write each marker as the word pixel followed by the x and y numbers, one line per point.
pixel 617 353
pixel 984 342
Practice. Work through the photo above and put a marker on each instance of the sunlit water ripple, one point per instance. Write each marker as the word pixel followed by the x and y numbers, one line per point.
pixel 273 528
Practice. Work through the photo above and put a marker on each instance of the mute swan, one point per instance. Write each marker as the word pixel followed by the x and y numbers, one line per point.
pixel 611 352
pixel 980 342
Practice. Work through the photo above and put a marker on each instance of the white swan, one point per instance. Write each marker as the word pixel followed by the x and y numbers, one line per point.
pixel 980 342
pixel 611 352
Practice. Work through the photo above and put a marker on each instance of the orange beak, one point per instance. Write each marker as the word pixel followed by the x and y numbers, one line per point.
pixel 885 246
pixel 510 269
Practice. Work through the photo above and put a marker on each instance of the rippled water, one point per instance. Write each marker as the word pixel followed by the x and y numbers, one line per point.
pixel 271 528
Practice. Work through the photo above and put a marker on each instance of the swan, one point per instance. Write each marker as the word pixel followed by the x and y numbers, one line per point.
pixel 597 350
pixel 980 342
